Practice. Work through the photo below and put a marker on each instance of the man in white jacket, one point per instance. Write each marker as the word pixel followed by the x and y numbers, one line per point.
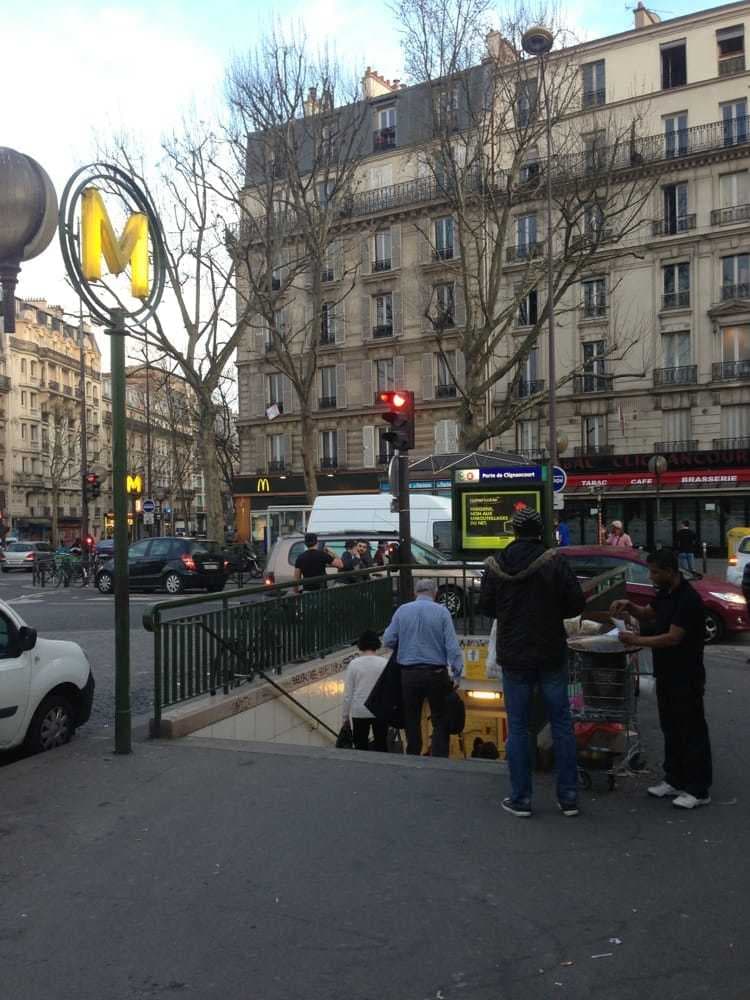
pixel 361 675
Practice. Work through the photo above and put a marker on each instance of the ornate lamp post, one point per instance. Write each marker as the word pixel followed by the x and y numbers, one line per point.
pixel 28 210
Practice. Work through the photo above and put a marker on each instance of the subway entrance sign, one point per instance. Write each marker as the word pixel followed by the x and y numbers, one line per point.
pixel 484 501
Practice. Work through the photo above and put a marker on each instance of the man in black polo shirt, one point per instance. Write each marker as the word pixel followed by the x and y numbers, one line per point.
pixel 312 563
pixel 673 623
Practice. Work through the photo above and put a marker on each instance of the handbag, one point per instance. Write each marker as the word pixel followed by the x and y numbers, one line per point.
pixel 345 738
pixel 386 699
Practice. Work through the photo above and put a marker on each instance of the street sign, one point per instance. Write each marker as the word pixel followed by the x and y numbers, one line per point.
pixel 148 506
pixel 559 479
pixel 148 517
pixel 558 501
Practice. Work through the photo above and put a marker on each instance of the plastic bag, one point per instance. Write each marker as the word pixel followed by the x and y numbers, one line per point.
pixel 492 667
pixel 596 644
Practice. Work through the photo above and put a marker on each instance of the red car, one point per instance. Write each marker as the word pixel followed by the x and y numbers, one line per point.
pixel 725 606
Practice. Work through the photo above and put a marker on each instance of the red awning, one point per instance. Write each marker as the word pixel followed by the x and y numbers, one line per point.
pixel 668 480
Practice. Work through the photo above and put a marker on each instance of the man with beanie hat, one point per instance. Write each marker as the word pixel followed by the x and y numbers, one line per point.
pixel 531 590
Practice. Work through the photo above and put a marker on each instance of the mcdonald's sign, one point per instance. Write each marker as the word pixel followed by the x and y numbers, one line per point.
pixel 134 485
pixel 98 240
pixel 263 485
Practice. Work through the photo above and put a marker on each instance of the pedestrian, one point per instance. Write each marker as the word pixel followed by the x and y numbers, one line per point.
pixel 685 543
pixel 562 531
pixel 674 618
pixel 312 563
pixel 381 554
pixel 361 676
pixel 531 591
pixel 618 536
pixel 349 559
pixel 363 554
pixel 431 664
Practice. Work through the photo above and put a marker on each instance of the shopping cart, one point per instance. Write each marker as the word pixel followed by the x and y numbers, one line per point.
pixel 603 703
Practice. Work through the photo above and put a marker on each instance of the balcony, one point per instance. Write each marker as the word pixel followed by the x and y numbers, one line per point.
pixel 527 387
pixel 671 227
pixel 107 417
pixel 594 98
pixel 671 446
pixel 728 216
pixel 675 300
pixel 382 331
pixel 444 253
pixel 329 463
pixel 445 392
pixel 585 384
pixel 594 310
pixel 730 371
pixel 327 339
pixel 384 138
pixel 327 403
pixel 731 444
pixel 523 251
pixel 582 450
pixel 4 383
pixel 735 64
pixel 735 292
pixel 67 390
pixel 277 465
pixel 682 375
pixel 381 265
pixel 584 241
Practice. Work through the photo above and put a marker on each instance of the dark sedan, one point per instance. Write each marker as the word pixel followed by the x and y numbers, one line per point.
pixel 171 564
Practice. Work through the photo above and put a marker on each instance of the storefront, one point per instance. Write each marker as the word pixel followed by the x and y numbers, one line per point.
pixel 711 490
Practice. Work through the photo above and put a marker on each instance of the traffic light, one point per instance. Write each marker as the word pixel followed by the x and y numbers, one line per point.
pixel 92 485
pixel 400 416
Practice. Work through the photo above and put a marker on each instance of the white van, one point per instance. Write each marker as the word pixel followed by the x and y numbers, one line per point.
pixel 431 517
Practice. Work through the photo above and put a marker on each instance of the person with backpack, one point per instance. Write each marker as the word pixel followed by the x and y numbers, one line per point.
pixel 531 590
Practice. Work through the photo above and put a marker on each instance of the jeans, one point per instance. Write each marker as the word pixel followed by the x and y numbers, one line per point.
pixel 686 561
pixel 687 747
pixel 361 731
pixel 434 684
pixel 518 686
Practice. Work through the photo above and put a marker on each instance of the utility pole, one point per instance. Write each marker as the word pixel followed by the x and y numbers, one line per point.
pixel 404 528
pixel 84 434
pixel 149 468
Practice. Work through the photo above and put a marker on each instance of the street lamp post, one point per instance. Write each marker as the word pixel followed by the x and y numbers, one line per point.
pixel 538 41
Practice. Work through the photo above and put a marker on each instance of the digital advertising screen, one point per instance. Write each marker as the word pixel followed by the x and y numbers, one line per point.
pixel 486 516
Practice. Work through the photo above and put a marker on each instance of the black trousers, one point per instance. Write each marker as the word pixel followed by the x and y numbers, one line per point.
pixel 687 747
pixel 434 684
pixel 361 731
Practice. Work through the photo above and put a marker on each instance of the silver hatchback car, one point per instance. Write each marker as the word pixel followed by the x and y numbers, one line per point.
pixel 22 555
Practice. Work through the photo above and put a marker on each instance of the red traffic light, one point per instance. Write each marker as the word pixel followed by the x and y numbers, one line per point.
pixel 91 477
pixel 398 400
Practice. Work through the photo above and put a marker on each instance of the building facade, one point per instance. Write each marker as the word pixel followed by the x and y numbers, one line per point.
pixel 677 293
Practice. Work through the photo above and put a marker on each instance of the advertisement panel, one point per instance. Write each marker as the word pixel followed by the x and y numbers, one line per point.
pixel 484 501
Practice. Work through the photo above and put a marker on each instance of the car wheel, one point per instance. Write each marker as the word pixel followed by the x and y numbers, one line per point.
pixel 173 583
pixel 714 627
pixel 452 598
pixel 105 583
pixel 52 725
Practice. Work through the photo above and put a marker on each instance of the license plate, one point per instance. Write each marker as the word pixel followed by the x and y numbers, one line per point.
pixel 210 566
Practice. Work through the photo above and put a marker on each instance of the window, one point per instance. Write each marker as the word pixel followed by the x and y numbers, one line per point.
pixel 528 383
pixel 594 433
pixel 735 422
pixel 594 297
pixel 525 234
pixel 384 377
pixel 733 189
pixel 328 386
pixel 327 271
pixel 677 428
pixel 277 450
pixel 527 436
pixel 594 366
pixel 445 304
pixel 444 238
pixel 383 315
pixel 385 129
pixel 675 200
pixel 328 454
pixel 731 45
pixel 593 221
pixel 23 432
pixel 34 433
pixel 673 65
pixel 23 399
pixel 387 118
pixel 23 366
pixel 676 135
pixel 274 383
pixel 529 171
pixel 34 400
pixel 385 448
pixel 735 276
pixel 676 286
pixel 528 311
pixel 675 349
pixel 446 107
pixel 33 369
pixel 734 119
pixel 593 83
pixel 383 251
pixel 593 151
pixel 328 323
pixel 735 343
pixel 326 191
pixel 525 103
pixel 446 370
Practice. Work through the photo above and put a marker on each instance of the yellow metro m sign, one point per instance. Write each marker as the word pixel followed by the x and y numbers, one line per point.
pixel 98 240
pixel 134 484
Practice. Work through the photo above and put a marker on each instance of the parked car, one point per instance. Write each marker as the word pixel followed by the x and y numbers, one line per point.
pixel 46 686
pixel 105 548
pixel 22 555
pixel 725 607
pixel 736 567
pixel 171 564
pixel 429 562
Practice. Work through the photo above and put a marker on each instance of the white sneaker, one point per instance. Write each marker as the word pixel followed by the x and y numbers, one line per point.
pixel 687 801
pixel 663 790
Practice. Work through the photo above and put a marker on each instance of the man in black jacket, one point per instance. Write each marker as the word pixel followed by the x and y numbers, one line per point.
pixel 530 590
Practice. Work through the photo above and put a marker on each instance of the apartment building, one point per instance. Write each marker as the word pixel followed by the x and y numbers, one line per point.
pixel 40 422
pixel 653 341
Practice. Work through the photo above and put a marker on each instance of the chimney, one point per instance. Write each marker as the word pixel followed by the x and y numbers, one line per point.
pixel 375 85
pixel 644 18
pixel 311 104
pixel 499 50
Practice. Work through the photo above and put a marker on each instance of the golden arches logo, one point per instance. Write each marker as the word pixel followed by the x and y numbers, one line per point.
pixel 98 240
pixel 263 485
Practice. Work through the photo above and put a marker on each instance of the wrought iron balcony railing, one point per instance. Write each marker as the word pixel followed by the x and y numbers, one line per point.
pixel 381 265
pixel 731 444
pixel 384 138
pixel 662 446
pixel 729 371
pixel 592 383
pixel 741 291
pixel 277 465
pixel 523 251
pixel 383 330
pixel 734 64
pixel 593 449
pixel 445 391
pixel 675 300
pixel 681 375
pixel 673 226
pixel 327 403
pixel 728 216
pixel 594 98
pixel 329 463
pixel 528 387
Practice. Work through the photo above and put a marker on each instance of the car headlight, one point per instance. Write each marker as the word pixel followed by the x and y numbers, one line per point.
pixel 729 598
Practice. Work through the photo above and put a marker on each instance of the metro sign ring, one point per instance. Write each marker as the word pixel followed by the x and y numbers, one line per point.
pixel 88 240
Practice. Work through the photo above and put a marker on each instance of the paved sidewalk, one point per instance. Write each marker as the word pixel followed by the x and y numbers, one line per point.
pixel 202 870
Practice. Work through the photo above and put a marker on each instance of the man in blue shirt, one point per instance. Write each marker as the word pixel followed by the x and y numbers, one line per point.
pixel 431 664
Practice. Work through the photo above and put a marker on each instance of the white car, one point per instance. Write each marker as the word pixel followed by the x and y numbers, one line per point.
pixel 736 569
pixel 22 555
pixel 46 686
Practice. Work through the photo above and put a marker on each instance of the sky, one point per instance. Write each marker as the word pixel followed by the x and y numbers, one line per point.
pixel 72 73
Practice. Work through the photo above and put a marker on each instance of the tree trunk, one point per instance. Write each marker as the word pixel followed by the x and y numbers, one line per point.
pixel 211 472
pixel 309 452
pixel 55 525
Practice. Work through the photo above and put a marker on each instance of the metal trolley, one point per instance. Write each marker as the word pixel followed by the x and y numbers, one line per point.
pixel 603 689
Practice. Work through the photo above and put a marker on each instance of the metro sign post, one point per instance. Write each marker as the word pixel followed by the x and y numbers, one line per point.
pixel 87 240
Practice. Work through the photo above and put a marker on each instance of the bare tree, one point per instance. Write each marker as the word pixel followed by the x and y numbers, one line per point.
pixel 297 124
pixel 488 161
pixel 61 440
